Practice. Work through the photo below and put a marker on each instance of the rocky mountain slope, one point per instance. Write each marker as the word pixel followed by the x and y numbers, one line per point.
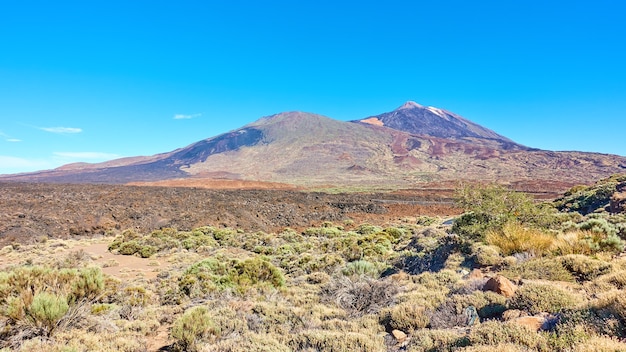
pixel 409 145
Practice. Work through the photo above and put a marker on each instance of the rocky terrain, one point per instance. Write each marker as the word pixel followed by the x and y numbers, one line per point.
pixel 31 211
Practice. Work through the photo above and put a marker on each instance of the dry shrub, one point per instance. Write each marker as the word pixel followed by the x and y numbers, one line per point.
pixel 405 316
pixel 615 279
pixel 248 342
pixel 504 347
pixel 333 341
pixel 611 306
pixel 538 298
pixel 430 340
pixel 585 268
pixel 448 315
pixel 600 344
pixel 551 269
pixel 361 295
pixel 515 238
pixel 495 333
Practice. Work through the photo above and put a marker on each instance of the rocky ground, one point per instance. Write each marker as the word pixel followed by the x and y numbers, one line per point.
pixel 29 211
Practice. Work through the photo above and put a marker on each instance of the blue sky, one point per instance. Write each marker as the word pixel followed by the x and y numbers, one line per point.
pixel 95 80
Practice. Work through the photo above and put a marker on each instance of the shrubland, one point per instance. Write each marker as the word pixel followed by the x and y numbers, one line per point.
pixel 413 286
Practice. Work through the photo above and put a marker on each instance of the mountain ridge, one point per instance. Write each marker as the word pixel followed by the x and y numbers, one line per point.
pixel 409 145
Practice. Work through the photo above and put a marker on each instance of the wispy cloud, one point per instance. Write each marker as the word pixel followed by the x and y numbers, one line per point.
pixel 9 138
pixel 12 164
pixel 186 117
pixel 61 130
pixel 87 155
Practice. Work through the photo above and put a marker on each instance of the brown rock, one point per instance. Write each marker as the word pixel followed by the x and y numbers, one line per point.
pixel 475 274
pixel 618 203
pixel 399 335
pixel 501 285
pixel 533 323
pixel 512 314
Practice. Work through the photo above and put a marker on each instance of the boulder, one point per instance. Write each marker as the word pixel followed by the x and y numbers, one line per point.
pixel 501 285
pixel 534 323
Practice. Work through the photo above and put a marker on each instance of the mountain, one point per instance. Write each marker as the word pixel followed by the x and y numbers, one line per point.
pixel 417 119
pixel 409 145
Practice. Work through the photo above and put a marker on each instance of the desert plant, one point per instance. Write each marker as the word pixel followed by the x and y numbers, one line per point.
pixel 493 333
pixel 539 268
pixel 585 268
pixel 540 298
pixel 490 207
pixel 194 326
pixel 360 295
pixel 405 316
pixel 335 341
pixel 513 238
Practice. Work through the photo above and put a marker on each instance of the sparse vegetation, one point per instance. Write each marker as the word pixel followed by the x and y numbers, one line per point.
pixel 415 284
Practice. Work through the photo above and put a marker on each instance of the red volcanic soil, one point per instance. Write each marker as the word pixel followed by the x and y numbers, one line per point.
pixel 217 184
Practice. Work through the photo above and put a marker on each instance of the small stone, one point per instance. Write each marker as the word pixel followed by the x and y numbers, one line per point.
pixel 475 274
pixel 399 335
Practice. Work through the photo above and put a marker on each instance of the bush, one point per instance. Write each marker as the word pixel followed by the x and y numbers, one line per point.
pixel 361 268
pixel 585 268
pixel 406 317
pixel 431 340
pixel 218 274
pixel 490 207
pixel 46 310
pixel 540 268
pixel 336 341
pixel 194 326
pixel 539 298
pixel 494 333
pixel 513 238
pixel 485 255
pixel 361 295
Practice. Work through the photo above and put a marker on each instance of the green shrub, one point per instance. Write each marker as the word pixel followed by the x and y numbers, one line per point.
pixel 194 326
pixel 538 298
pixel 361 267
pixel 218 274
pixel 46 310
pixel 490 207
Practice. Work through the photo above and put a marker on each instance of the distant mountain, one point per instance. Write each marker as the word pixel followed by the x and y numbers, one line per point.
pixel 409 145
pixel 417 119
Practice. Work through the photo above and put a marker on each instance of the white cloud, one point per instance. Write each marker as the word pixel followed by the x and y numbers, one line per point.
pixel 87 155
pixel 63 130
pixel 13 140
pixel 11 164
pixel 186 117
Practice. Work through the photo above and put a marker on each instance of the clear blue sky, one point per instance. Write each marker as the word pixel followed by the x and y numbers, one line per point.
pixel 94 80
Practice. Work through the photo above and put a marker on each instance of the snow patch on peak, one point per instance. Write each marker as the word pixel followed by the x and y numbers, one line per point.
pixel 438 112
pixel 410 105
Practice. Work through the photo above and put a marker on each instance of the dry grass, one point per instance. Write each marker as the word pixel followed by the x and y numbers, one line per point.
pixel 515 238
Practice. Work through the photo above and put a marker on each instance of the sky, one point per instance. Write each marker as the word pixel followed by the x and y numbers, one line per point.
pixel 89 81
